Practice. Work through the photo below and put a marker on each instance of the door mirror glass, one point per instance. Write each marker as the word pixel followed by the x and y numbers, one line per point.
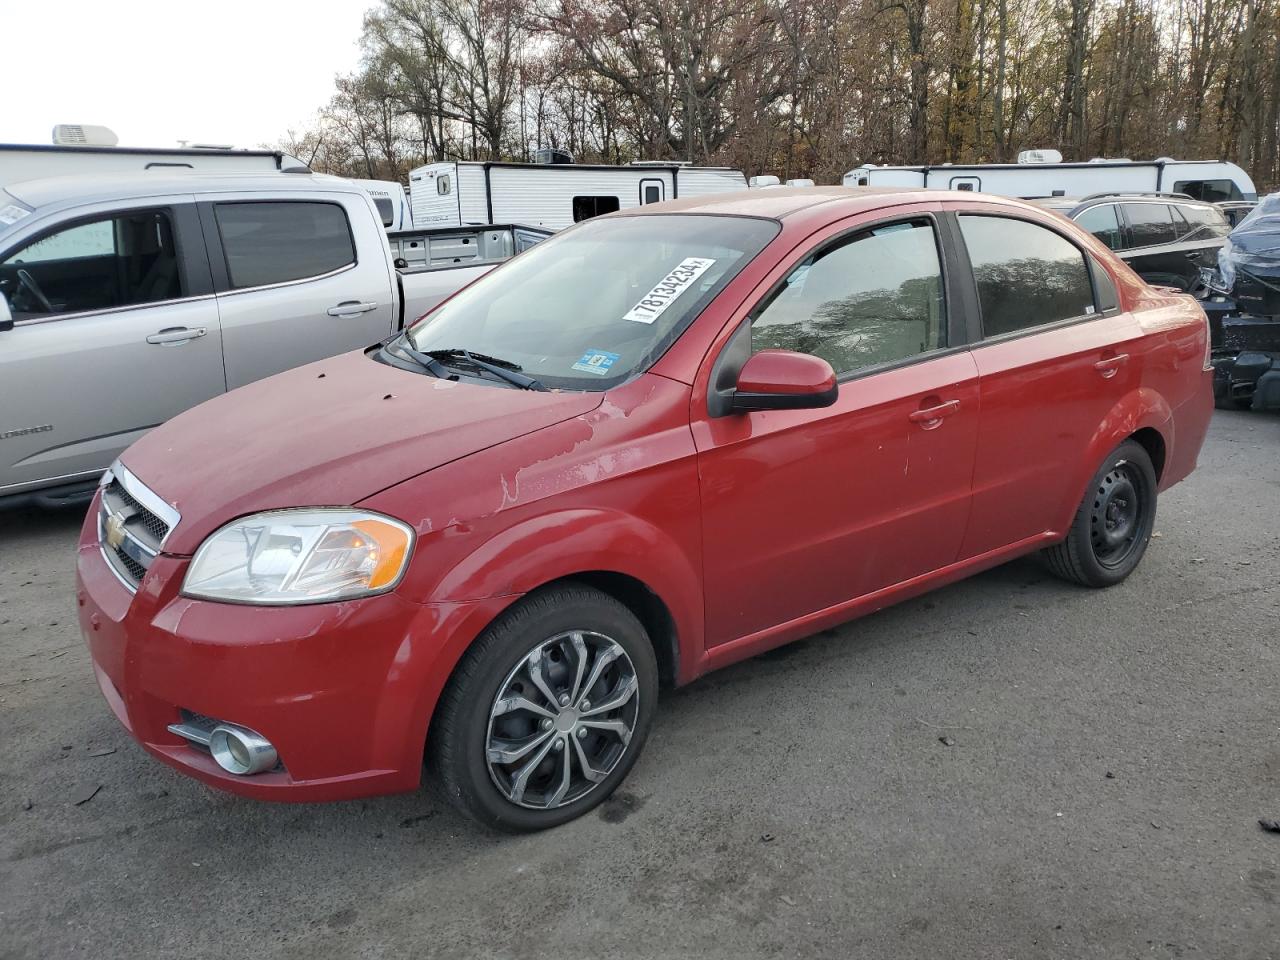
pixel 785 380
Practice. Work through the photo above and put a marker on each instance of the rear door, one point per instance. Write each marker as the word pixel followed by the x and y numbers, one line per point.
pixel 1054 356
pixel 804 510
pixel 116 330
pixel 298 279
pixel 1154 251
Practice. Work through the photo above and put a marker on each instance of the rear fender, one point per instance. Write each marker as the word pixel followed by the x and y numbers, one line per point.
pixel 1139 409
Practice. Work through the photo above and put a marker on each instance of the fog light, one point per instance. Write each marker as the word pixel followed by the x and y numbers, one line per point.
pixel 240 751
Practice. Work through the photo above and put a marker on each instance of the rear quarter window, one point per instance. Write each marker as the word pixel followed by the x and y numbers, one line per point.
pixel 1027 275
pixel 279 241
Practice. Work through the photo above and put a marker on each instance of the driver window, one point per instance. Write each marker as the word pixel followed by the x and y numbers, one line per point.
pixel 99 265
pixel 868 299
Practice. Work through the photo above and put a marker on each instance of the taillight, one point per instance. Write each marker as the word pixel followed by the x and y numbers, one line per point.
pixel 1208 342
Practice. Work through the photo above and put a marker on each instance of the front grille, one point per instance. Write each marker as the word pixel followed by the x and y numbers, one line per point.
pixel 131 528
pixel 156 527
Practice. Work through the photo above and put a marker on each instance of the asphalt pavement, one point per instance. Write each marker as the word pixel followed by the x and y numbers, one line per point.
pixel 1011 767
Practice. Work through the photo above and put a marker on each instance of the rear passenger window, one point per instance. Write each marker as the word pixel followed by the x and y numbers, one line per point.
pixel 1103 223
pixel 277 241
pixel 1204 222
pixel 868 299
pixel 1027 275
pixel 1150 224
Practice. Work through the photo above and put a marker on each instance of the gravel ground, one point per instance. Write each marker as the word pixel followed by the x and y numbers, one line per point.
pixel 1010 767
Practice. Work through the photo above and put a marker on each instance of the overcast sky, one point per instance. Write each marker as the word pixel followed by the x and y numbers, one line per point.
pixel 231 71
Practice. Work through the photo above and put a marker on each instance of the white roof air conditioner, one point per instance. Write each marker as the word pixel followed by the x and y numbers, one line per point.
pixel 83 135
pixel 1039 156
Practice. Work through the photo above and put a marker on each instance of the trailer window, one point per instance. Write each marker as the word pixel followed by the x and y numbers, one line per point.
pixel 584 208
pixel 278 241
pixel 385 210
pixel 1215 191
pixel 442 184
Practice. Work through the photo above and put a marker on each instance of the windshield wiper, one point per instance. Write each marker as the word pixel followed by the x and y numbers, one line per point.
pixel 503 369
pixel 426 361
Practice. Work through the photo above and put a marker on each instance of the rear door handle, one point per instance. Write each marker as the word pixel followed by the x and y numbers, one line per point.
pixel 351 308
pixel 177 334
pixel 1111 365
pixel 930 417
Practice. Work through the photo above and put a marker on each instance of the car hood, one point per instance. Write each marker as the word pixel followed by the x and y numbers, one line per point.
pixel 327 434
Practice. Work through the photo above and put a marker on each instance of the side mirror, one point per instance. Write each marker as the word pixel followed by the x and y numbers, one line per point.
pixel 785 380
pixel 6 318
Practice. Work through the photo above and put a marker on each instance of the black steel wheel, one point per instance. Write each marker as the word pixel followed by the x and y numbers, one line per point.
pixel 547 712
pixel 1113 523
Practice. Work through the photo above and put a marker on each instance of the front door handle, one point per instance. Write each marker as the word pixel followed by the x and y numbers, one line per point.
pixel 177 334
pixel 930 417
pixel 351 308
pixel 1110 366
pixel 1194 254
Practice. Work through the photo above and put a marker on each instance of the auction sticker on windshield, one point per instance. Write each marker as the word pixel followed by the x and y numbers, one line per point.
pixel 654 303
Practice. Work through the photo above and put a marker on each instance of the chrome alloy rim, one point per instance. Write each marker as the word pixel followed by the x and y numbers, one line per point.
pixel 562 720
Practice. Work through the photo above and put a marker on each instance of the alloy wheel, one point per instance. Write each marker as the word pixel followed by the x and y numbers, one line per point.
pixel 562 719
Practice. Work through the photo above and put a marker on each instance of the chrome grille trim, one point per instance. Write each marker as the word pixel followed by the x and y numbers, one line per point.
pixel 143 523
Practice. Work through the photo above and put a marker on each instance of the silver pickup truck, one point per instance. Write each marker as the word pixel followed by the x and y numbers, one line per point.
pixel 126 299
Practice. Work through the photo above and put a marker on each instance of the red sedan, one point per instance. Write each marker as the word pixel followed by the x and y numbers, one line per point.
pixel 661 442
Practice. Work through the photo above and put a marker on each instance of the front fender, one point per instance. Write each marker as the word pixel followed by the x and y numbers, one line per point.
pixel 556 545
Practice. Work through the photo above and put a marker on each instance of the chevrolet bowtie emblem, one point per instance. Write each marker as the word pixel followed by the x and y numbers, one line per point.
pixel 115 530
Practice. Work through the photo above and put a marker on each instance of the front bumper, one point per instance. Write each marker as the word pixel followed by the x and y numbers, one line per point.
pixel 343 690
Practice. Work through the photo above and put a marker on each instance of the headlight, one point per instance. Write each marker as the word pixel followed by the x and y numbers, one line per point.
pixel 300 556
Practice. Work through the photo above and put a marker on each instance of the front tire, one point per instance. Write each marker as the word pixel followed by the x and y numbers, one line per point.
pixel 547 712
pixel 1113 523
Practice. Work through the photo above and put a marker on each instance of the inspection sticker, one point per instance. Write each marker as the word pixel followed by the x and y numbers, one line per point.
pixel 596 361
pixel 13 213
pixel 655 302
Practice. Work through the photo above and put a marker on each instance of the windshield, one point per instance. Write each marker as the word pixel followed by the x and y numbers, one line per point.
pixel 600 302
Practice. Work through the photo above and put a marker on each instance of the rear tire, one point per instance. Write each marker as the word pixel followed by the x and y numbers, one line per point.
pixel 1113 523
pixel 517 742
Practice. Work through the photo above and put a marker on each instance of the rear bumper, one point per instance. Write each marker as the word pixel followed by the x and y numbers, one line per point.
pixel 344 690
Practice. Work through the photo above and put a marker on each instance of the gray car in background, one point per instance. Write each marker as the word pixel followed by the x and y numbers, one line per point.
pixel 126 299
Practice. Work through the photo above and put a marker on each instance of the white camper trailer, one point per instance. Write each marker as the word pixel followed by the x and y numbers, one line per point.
pixel 33 161
pixel 393 206
pixel 1041 173
pixel 552 195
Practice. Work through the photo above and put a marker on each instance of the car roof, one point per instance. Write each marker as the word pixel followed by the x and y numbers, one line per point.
pixel 779 202
pixel 81 188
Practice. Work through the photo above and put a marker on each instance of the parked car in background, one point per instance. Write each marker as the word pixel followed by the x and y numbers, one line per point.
pixel 1236 210
pixel 653 445
pixel 126 299
pixel 1246 312
pixel 1168 239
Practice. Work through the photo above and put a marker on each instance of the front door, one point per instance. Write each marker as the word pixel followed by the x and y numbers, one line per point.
pixel 804 510
pixel 116 330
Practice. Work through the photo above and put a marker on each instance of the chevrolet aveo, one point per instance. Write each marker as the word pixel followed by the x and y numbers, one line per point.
pixel 656 444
